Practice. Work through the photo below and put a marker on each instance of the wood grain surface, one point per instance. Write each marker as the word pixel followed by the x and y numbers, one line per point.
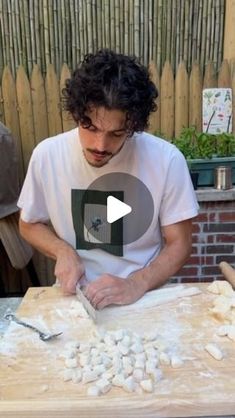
pixel 30 370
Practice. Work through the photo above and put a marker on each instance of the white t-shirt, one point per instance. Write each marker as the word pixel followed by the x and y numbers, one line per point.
pixel 58 165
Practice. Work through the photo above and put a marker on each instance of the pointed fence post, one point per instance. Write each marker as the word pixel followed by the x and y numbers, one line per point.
pixel 39 105
pixel 181 99
pixel 25 114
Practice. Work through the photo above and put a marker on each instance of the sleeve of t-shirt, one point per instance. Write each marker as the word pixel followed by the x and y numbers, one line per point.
pixel 32 197
pixel 179 199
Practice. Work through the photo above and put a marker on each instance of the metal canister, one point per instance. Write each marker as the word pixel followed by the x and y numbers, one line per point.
pixel 223 178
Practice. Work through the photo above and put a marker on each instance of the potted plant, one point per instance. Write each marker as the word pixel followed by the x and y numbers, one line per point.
pixel 204 152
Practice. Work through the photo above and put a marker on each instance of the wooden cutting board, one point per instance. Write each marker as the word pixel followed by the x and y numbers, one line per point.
pixel 30 370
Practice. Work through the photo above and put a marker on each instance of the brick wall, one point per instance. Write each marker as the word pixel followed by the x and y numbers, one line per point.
pixel 213 241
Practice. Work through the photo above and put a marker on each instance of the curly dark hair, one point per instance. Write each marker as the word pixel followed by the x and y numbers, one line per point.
pixel 114 81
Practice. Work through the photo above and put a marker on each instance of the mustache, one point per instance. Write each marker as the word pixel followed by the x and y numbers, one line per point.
pixel 103 153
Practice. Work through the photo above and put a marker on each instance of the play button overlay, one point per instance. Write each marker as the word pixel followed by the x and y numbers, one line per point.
pixel 116 209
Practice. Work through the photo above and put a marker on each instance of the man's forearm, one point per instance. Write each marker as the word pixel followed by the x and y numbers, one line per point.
pixel 41 237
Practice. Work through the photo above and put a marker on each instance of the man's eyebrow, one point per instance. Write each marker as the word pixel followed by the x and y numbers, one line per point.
pixel 114 130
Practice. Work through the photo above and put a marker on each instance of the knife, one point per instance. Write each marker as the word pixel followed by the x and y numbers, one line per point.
pixel 86 304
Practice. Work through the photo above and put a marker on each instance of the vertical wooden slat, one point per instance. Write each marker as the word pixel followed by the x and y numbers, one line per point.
pixel 229 30
pixel 2 116
pixel 181 99
pixel 53 102
pixel 210 79
pixel 11 114
pixel 155 118
pixel 67 120
pixel 195 97
pixel 25 114
pixel 167 101
pixel 224 79
pixel 233 101
pixel 39 105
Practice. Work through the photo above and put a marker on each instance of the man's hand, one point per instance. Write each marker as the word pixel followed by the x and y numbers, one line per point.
pixel 109 289
pixel 68 269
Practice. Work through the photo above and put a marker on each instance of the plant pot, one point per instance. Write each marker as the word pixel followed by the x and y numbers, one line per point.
pixel 206 169
pixel 194 177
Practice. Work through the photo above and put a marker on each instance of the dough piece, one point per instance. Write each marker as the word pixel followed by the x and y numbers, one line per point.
pixel 124 349
pixel 77 376
pixel 68 375
pixel 147 385
pixel 150 366
pixel 214 351
pixel 223 303
pixel 89 376
pixel 104 385
pixel 221 287
pixel 156 375
pixel 176 361
pixel 71 363
pixel 99 369
pixel 164 359
pixel 93 391
pixel 129 384
pixel 137 348
pixel 138 375
pixel 231 333
pixel 223 330
pixel 118 380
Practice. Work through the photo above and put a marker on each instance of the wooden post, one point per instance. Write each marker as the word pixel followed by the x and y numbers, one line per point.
pixel 181 99
pixel 67 120
pixel 24 100
pixel 195 97
pixel 39 105
pixel 154 120
pixel 167 101
pixel 229 31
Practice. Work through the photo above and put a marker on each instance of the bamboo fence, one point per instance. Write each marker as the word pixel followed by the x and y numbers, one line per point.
pixel 54 32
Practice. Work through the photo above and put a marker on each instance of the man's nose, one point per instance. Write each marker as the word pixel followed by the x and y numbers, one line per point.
pixel 101 142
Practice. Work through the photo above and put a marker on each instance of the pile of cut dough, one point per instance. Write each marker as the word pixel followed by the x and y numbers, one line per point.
pixel 223 309
pixel 117 358
pixel 224 302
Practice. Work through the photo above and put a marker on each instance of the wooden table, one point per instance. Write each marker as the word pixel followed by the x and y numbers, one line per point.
pixel 30 370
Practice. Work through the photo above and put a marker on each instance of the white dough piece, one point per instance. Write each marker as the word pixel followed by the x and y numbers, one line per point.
pixel 104 385
pixel 138 375
pixel 176 361
pixel 231 333
pixel 68 375
pixel 71 363
pixel 221 287
pixel 118 380
pixel 147 385
pixel 223 330
pixel 129 384
pixel 77 376
pixel 93 391
pixel 89 376
pixel 164 359
pixel 214 351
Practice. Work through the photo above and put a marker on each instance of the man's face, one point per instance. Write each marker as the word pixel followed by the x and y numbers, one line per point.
pixel 105 137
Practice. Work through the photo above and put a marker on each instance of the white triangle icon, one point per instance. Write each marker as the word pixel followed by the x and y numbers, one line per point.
pixel 116 209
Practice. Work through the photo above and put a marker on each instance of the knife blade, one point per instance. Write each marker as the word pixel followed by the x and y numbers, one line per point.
pixel 86 304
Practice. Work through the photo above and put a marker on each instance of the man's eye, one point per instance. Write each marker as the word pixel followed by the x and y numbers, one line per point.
pixel 118 135
pixel 92 128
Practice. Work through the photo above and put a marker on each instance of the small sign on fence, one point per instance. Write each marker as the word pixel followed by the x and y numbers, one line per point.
pixel 217 110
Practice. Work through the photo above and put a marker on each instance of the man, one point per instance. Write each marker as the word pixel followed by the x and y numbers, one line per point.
pixel 110 96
